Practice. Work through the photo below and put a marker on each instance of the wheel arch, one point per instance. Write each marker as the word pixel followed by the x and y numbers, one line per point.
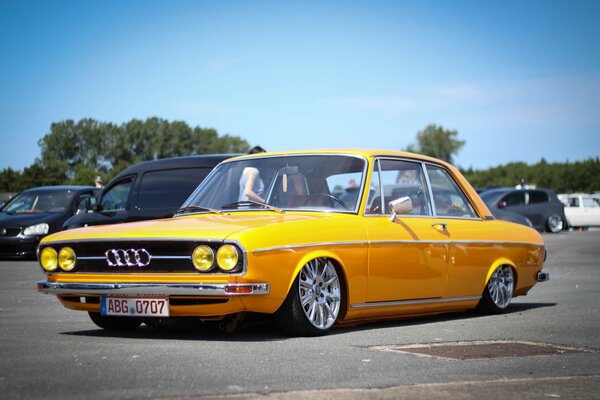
pixel 338 264
pixel 498 263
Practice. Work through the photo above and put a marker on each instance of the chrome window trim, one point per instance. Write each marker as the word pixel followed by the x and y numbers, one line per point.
pixel 429 190
pixel 414 302
pixel 355 211
pixel 376 160
pixel 475 210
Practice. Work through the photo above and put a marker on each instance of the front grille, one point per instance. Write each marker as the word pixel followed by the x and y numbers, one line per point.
pixel 9 232
pixel 166 256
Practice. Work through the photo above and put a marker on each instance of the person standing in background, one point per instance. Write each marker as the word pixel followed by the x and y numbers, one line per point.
pixel 252 186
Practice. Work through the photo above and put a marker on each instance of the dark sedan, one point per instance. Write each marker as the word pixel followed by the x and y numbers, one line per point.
pixel 540 206
pixel 37 212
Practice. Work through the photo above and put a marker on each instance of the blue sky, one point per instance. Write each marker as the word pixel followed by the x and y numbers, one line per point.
pixel 519 80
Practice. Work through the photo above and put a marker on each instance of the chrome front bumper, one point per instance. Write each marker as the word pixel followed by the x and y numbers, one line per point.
pixel 542 276
pixel 154 289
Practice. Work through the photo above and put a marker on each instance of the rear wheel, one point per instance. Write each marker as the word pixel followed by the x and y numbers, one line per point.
pixel 114 323
pixel 554 223
pixel 313 303
pixel 499 290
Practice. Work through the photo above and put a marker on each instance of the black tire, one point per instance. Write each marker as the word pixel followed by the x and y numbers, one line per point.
pixel 114 323
pixel 318 283
pixel 498 291
pixel 554 223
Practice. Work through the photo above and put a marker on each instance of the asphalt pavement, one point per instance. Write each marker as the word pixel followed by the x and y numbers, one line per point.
pixel 50 352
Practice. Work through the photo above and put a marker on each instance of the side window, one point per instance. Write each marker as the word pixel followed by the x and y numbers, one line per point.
pixel 537 196
pixel 513 199
pixel 169 188
pixel 397 178
pixel 115 199
pixel 448 198
pixel 590 202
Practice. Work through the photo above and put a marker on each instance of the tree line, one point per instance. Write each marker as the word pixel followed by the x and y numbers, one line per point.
pixel 567 177
pixel 74 153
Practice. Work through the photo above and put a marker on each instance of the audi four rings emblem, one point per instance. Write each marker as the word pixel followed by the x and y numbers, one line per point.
pixel 128 257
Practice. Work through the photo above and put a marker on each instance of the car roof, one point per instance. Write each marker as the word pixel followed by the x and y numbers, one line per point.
pixel 60 187
pixel 204 160
pixel 367 153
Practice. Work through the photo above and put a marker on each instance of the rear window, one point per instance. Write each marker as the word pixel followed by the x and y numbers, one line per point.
pixel 169 188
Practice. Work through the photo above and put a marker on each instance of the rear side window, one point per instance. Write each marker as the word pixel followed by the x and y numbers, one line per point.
pixel 169 188
pixel 448 198
pixel 536 196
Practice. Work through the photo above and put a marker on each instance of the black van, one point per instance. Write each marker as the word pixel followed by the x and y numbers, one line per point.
pixel 148 190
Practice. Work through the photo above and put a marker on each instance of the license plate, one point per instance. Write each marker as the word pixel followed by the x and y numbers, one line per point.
pixel 134 307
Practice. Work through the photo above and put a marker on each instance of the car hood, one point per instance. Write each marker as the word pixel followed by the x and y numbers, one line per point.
pixel 203 226
pixel 21 220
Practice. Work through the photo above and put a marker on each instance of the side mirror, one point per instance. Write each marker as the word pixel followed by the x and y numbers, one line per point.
pixel 402 205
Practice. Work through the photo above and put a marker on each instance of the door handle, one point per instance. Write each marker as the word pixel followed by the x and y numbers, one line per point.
pixel 440 226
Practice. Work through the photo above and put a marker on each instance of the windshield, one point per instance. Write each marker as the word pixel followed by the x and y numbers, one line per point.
pixel 40 201
pixel 277 183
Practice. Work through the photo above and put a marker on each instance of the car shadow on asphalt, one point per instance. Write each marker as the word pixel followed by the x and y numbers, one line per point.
pixel 264 329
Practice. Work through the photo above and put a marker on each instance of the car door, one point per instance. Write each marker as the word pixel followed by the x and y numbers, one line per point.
pixel 469 256
pixel 515 201
pixel 591 211
pixel 407 256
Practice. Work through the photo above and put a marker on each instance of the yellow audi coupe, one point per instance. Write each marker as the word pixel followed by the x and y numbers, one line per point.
pixel 315 238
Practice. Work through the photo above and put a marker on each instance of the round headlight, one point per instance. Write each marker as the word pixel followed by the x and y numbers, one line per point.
pixel 49 259
pixel 203 258
pixel 227 257
pixel 66 259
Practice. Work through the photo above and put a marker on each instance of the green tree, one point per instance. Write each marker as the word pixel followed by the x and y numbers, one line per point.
pixel 437 142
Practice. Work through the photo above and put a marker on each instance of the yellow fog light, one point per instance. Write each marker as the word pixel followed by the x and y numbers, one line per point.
pixel 49 259
pixel 203 258
pixel 66 259
pixel 227 257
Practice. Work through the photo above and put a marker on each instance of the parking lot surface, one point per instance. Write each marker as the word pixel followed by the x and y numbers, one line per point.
pixel 547 346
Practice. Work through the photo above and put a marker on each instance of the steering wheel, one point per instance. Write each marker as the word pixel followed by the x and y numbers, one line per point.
pixel 329 196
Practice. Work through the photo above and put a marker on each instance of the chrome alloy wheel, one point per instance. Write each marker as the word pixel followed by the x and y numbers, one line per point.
pixel 555 223
pixel 319 289
pixel 501 285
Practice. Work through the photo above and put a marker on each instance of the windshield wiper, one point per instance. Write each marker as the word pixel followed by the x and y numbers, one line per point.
pixel 253 203
pixel 197 208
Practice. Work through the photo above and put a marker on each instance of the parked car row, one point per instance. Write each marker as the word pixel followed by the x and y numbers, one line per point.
pixel 148 190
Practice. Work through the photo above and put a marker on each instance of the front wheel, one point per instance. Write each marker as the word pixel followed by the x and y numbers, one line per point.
pixel 499 290
pixel 313 303
pixel 114 323
pixel 554 223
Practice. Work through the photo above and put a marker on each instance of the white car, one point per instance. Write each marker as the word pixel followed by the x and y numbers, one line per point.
pixel 581 210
